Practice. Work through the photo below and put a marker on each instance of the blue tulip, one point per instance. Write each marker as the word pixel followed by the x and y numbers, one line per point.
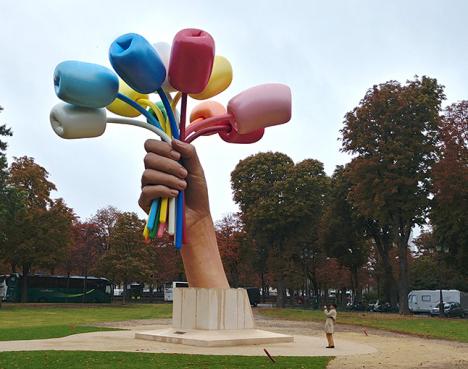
pixel 137 63
pixel 85 84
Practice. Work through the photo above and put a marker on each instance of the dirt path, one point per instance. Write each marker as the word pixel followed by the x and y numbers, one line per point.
pixel 394 351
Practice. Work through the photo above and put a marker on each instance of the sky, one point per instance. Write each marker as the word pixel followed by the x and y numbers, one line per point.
pixel 328 52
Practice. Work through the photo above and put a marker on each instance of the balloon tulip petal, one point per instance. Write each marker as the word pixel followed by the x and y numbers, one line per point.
pixel 121 108
pixel 220 79
pixel 260 107
pixel 85 84
pixel 71 121
pixel 247 138
pixel 191 62
pixel 137 63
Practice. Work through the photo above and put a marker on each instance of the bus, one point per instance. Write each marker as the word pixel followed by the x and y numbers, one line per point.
pixel 56 288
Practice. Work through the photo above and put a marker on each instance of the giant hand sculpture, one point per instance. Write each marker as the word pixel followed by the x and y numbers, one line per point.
pixel 189 67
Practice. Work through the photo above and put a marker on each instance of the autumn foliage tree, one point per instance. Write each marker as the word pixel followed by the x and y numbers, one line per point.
pixel 342 232
pixel 257 183
pixel 165 262
pixel 281 204
pixel 449 214
pixel 236 251
pixel 5 191
pixel 394 133
pixel 84 251
pixel 41 228
pixel 127 259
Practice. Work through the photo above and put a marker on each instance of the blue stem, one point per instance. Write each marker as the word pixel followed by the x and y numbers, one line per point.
pixel 170 114
pixel 142 110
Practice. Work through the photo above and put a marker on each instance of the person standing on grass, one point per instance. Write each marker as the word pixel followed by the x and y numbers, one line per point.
pixel 330 313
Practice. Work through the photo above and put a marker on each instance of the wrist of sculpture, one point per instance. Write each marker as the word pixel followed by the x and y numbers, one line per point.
pixel 202 262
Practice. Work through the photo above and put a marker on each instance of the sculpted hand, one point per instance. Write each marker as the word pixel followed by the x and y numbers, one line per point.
pixel 165 176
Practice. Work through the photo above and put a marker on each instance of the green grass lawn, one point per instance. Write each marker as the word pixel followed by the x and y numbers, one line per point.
pixel 33 322
pixel 127 360
pixel 451 329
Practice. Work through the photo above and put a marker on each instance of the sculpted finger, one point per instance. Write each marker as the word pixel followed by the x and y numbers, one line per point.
pixel 155 177
pixel 161 148
pixel 189 156
pixel 149 193
pixel 164 164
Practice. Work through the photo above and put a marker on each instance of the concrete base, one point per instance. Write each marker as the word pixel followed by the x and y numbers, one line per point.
pixel 214 338
pixel 212 309
pixel 212 317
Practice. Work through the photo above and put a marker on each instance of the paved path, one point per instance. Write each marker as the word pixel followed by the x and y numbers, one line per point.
pixel 125 341
pixel 355 350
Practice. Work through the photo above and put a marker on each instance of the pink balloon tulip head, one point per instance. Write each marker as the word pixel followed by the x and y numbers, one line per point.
pixel 234 137
pixel 260 107
pixel 191 62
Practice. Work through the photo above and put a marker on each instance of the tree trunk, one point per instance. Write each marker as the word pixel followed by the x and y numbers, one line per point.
pixel 389 283
pixel 280 300
pixel 85 287
pixel 264 289
pixel 403 277
pixel 357 295
pixel 24 282
pixel 124 292
pixel 383 246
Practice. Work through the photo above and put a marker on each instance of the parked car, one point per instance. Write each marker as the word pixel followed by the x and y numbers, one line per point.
pixel 451 310
pixel 357 306
pixel 385 307
pixel 254 295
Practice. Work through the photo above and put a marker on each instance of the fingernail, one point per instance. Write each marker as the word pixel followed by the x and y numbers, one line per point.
pixel 174 193
pixel 182 184
pixel 174 155
pixel 183 172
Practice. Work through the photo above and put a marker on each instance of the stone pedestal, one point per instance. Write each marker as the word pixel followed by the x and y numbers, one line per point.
pixel 212 317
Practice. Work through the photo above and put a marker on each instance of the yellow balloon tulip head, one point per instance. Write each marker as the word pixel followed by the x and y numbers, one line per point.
pixel 121 108
pixel 220 79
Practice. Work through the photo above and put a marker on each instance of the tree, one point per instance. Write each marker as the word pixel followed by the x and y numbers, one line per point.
pixel 281 204
pixel 4 190
pixel 83 254
pixel 126 260
pixel 394 133
pixel 227 236
pixel 236 251
pixel 40 228
pixel 449 216
pixel 105 219
pixel 342 231
pixel 257 184
pixel 165 262
pixel 306 190
pixel 57 222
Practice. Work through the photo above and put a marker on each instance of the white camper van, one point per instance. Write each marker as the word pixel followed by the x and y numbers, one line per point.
pixel 423 301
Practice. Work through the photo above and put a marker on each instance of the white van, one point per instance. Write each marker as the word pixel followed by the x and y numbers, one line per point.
pixel 423 301
pixel 169 289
